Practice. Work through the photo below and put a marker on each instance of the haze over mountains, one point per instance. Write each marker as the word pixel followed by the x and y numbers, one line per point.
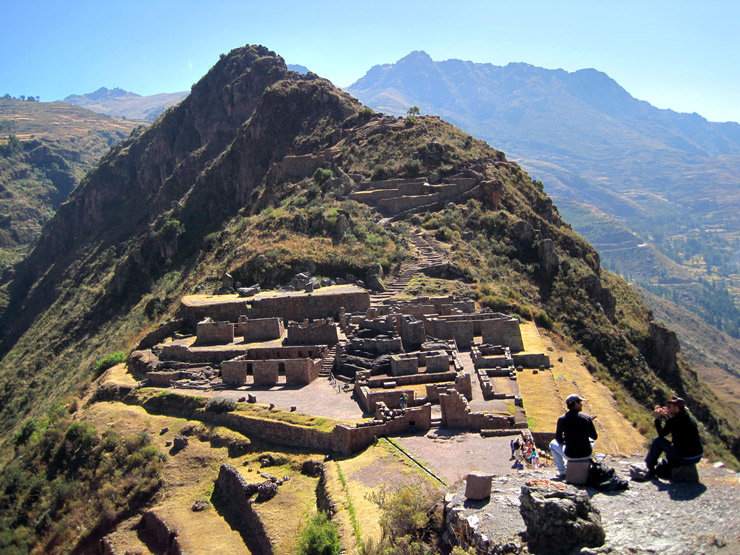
pixel 124 104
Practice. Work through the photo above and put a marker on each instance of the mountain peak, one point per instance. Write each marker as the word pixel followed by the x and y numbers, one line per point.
pixel 417 56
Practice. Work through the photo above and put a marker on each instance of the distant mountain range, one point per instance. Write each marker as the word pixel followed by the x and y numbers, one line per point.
pixel 658 192
pixel 124 104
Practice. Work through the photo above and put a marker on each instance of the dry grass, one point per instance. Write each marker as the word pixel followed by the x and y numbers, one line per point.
pixel 544 396
pixel 375 467
pixel 190 474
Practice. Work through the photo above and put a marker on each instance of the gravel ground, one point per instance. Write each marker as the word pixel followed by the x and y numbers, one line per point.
pixel 650 517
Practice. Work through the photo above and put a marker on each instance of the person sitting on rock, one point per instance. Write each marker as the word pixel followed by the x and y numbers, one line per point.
pixel 685 445
pixel 574 435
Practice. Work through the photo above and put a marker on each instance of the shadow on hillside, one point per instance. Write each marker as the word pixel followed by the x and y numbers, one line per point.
pixel 235 519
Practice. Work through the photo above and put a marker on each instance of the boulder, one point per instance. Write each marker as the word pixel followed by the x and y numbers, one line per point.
pixel 559 518
pixel 227 282
pixel 266 491
pixel 248 291
pixel 478 486
pixel 179 443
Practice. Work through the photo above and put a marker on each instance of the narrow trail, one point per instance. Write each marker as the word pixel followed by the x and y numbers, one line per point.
pixel 424 255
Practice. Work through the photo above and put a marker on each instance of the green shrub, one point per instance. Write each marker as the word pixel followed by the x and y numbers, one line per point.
pixel 524 310
pixel 367 112
pixel 171 229
pixel 543 320
pixel 221 404
pixel 380 173
pixel 101 365
pixel 321 176
pixel 497 304
pixel 404 514
pixel 26 431
pixel 319 537
pixel 412 167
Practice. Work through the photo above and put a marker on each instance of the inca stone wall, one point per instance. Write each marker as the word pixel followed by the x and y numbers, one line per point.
pixel 232 494
pixel 260 329
pixel 215 333
pixel 321 332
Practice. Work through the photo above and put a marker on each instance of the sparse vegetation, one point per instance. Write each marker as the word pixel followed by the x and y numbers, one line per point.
pixel 68 483
pixel 319 537
pixel 101 365
pixel 405 518
pixel 221 404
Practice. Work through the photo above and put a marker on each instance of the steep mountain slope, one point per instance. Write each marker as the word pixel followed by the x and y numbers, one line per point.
pixel 611 162
pixel 228 181
pixel 48 147
pixel 124 104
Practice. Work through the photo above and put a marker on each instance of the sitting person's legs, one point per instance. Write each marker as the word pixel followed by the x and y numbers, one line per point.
pixel 558 456
pixel 659 446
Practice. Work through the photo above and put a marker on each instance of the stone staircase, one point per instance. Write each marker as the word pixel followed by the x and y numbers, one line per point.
pixel 424 256
pixel 327 363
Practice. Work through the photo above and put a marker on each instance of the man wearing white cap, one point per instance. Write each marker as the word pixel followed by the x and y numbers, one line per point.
pixel 574 434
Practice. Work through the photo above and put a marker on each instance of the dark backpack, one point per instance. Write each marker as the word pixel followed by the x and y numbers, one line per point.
pixel 603 478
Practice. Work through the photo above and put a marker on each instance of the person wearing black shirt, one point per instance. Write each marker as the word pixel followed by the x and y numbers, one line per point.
pixel 684 447
pixel 574 435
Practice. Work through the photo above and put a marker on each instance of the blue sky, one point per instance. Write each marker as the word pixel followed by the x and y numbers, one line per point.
pixel 674 54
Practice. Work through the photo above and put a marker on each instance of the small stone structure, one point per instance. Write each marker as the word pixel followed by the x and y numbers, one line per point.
pixel 491 356
pixel 457 414
pixel 317 332
pixel 260 329
pixel 404 364
pixel 215 333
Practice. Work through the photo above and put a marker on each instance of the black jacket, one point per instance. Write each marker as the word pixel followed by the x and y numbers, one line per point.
pixel 574 430
pixel 684 434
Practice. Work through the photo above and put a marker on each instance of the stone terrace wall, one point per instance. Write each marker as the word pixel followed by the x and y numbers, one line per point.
pixel 184 354
pixel 160 334
pixel 309 306
pixel 219 307
pixel 531 360
pixel 231 491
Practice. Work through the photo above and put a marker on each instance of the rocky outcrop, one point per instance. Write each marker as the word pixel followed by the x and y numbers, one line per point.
pixel 559 518
pixel 661 350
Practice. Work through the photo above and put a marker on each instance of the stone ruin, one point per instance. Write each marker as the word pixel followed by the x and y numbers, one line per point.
pixel 401 357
